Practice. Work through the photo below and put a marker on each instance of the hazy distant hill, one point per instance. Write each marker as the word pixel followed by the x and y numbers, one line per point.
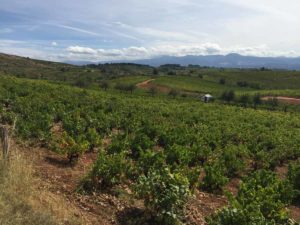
pixel 227 61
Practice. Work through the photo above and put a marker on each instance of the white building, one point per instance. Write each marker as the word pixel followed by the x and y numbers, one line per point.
pixel 207 98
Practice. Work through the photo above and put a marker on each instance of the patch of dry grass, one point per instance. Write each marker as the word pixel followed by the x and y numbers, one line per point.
pixel 22 202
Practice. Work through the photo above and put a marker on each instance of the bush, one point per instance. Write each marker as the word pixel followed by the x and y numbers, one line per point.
pixel 222 81
pixel 74 148
pixel 108 170
pixel 262 199
pixel 242 83
pixel 153 91
pixel 233 159
pixel 140 143
pixel 228 96
pixel 244 100
pixel 173 93
pixel 215 178
pixel 93 138
pixel 104 85
pixel 257 100
pixel 150 160
pixel 164 194
pixel 155 71
pixel 294 179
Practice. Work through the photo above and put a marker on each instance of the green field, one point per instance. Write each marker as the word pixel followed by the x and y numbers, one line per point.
pixel 163 148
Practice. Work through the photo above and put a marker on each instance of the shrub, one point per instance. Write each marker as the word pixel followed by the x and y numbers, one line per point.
pixel 151 159
pixel 222 81
pixel 244 100
pixel 233 159
pixel 256 100
pixel 118 144
pixel 104 85
pixel 294 179
pixel 242 83
pixel 261 199
pixel 108 170
pixel 179 155
pixel 93 138
pixel 215 178
pixel 74 148
pixel 164 194
pixel 272 103
pixel 140 143
pixel 173 93
pixel 153 91
pixel 228 96
pixel 155 71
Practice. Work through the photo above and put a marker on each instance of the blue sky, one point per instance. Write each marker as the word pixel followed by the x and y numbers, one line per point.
pixel 100 30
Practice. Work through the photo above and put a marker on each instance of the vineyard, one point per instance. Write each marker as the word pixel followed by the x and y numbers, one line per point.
pixel 164 149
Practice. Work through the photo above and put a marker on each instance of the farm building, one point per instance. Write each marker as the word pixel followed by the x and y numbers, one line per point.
pixel 207 98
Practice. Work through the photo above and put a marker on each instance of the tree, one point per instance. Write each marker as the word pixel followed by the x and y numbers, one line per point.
pixel 273 103
pixel 120 87
pixel 104 85
pixel 153 91
pixel 155 71
pixel 82 83
pixel 256 100
pixel 173 93
pixel 228 96
pixel 131 88
pixel 244 99
pixel 242 83
pixel 222 81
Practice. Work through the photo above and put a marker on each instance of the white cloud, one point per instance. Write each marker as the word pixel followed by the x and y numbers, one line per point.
pixel 147 29
pixel 54 43
pixel 132 53
pixel 81 50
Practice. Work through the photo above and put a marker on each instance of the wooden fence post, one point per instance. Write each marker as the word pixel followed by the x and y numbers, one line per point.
pixel 5 132
pixel 5 141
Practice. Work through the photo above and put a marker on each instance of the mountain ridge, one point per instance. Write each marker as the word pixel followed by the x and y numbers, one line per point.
pixel 232 60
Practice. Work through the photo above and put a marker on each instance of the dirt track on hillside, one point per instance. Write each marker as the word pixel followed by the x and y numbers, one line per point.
pixel 289 100
pixel 147 85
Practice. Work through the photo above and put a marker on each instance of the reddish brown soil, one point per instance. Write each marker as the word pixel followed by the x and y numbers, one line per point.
pixel 294 101
pixel 202 205
pixel 147 85
pixel 63 180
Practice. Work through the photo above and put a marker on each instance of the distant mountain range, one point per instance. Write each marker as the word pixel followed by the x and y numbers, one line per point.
pixel 227 61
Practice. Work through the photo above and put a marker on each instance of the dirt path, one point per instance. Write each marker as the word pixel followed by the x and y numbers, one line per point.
pixel 147 85
pixel 289 100
pixel 144 84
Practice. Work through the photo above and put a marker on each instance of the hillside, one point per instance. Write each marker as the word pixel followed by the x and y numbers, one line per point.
pixel 61 72
pixel 101 148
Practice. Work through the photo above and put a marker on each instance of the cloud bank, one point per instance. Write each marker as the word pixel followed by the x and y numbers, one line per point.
pixel 133 53
pixel 132 29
